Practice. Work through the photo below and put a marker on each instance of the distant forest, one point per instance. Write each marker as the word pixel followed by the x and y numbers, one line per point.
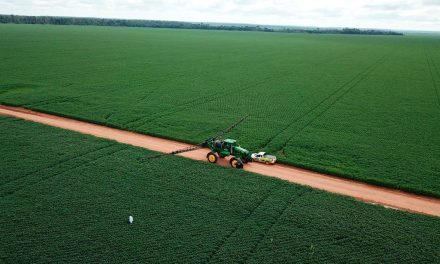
pixel 52 20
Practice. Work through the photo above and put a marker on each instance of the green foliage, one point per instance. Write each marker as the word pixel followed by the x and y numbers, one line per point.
pixel 88 21
pixel 66 197
pixel 363 107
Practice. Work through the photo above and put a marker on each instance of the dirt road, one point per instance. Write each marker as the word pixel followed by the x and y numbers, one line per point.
pixel 361 191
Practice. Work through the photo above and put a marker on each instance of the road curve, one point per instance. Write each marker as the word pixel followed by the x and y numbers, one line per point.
pixel 361 191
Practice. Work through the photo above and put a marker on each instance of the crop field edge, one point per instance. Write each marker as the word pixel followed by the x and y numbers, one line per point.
pixel 280 161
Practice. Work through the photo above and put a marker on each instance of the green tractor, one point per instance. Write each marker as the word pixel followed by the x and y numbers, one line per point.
pixel 227 147
pixel 220 148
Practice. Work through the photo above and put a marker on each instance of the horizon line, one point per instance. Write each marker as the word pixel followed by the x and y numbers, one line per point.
pixel 235 23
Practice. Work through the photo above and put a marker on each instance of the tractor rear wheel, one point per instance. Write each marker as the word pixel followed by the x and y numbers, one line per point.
pixel 212 158
pixel 236 163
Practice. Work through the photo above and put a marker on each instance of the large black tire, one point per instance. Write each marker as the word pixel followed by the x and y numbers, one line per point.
pixel 236 163
pixel 212 158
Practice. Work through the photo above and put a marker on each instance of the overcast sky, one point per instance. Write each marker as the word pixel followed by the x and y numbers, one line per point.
pixel 389 14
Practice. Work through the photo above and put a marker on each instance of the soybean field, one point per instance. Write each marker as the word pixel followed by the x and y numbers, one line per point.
pixel 67 197
pixel 361 107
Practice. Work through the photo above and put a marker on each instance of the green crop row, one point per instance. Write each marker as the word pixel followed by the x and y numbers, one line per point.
pixel 362 107
pixel 66 197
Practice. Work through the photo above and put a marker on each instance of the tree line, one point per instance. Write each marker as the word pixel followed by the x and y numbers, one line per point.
pixel 53 20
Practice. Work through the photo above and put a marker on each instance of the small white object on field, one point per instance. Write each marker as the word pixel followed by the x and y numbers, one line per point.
pixel 130 219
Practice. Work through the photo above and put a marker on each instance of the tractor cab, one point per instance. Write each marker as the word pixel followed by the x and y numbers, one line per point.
pixel 225 147
pixel 229 144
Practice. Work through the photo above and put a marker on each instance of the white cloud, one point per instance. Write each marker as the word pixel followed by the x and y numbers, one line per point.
pixel 394 14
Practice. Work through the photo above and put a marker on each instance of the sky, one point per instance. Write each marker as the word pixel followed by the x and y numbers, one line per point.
pixel 384 14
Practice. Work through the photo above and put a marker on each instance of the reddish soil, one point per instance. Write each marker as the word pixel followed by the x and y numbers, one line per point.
pixel 365 192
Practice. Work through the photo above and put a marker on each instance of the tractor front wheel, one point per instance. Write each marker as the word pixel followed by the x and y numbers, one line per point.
pixel 212 158
pixel 236 163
